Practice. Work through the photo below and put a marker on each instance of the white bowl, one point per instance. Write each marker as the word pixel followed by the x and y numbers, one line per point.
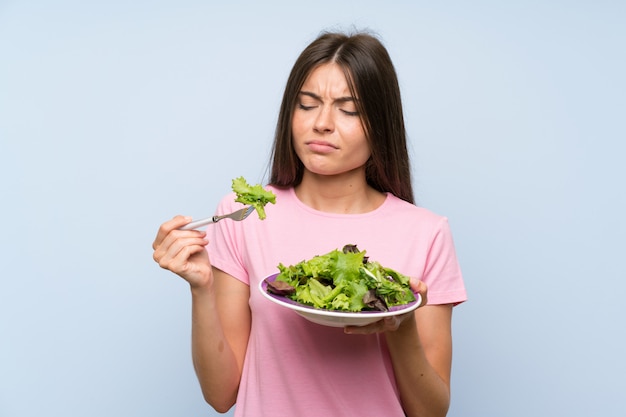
pixel 335 318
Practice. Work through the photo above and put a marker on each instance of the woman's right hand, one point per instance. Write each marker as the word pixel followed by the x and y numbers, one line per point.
pixel 183 252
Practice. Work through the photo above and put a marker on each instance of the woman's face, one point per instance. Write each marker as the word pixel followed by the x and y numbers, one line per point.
pixel 328 135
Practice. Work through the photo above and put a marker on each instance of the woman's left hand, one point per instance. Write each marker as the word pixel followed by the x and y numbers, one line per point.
pixel 392 323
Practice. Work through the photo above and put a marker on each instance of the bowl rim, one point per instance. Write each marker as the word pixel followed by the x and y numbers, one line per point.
pixel 294 305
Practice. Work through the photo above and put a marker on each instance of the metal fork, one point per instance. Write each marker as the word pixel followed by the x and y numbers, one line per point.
pixel 237 216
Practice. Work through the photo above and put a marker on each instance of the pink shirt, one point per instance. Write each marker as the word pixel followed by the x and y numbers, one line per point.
pixel 297 368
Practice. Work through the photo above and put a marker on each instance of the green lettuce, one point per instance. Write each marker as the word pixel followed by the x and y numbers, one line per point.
pixel 345 280
pixel 253 195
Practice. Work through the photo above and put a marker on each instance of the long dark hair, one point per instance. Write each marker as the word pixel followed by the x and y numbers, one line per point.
pixel 372 78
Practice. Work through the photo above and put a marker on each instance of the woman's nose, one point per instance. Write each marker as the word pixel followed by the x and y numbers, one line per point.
pixel 324 122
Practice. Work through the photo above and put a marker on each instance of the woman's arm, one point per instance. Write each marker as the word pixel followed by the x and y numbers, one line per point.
pixel 420 346
pixel 220 312
pixel 421 353
pixel 220 332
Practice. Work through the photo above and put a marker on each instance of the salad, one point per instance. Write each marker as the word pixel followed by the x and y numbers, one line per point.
pixel 344 280
pixel 253 195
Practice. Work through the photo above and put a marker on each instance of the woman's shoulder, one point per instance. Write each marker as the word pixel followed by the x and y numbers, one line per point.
pixel 401 207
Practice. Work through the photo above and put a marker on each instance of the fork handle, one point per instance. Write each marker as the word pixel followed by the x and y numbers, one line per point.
pixel 199 223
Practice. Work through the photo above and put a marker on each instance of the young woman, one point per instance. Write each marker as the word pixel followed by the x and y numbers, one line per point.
pixel 341 174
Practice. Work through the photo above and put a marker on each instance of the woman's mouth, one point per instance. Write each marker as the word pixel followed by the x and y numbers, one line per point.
pixel 321 146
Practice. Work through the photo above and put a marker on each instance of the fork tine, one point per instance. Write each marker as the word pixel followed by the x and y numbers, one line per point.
pixel 246 213
pixel 237 216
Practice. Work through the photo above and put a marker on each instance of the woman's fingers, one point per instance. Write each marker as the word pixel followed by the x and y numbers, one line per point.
pixel 393 322
pixel 422 289
pixel 176 253
pixel 174 248
pixel 183 251
pixel 167 227
pixel 383 325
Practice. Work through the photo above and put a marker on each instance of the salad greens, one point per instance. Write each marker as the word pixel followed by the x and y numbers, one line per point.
pixel 344 280
pixel 253 195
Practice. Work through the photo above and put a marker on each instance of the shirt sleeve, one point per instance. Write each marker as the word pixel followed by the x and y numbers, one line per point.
pixel 442 273
pixel 225 243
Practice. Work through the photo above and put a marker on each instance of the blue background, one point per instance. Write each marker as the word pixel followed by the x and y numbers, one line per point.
pixel 117 115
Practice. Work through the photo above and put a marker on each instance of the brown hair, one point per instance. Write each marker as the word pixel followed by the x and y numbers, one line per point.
pixel 372 78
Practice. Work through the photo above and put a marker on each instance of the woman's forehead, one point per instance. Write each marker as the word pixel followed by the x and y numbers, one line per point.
pixel 329 81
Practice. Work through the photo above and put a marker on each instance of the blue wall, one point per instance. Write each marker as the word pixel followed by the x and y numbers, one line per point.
pixel 114 117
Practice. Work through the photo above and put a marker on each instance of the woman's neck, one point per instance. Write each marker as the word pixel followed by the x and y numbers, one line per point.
pixel 347 193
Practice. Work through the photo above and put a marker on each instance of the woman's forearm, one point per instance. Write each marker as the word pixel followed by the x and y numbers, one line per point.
pixel 424 390
pixel 214 360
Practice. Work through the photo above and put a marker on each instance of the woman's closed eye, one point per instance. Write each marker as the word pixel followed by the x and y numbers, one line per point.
pixel 345 110
pixel 303 106
pixel 310 101
pixel 349 112
pixel 347 105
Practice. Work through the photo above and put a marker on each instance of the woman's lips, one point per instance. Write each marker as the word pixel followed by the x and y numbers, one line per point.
pixel 321 146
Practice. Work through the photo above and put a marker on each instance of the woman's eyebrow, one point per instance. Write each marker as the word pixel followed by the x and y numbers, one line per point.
pixel 318 98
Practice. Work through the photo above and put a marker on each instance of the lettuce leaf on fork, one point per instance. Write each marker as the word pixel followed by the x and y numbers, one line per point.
pixel 253 195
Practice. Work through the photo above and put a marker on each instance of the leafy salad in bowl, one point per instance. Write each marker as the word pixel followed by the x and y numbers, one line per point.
pixel 341 287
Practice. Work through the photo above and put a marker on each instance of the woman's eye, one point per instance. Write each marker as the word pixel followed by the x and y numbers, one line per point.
pixel 301 106
pixel 349 109
pixel 350 113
